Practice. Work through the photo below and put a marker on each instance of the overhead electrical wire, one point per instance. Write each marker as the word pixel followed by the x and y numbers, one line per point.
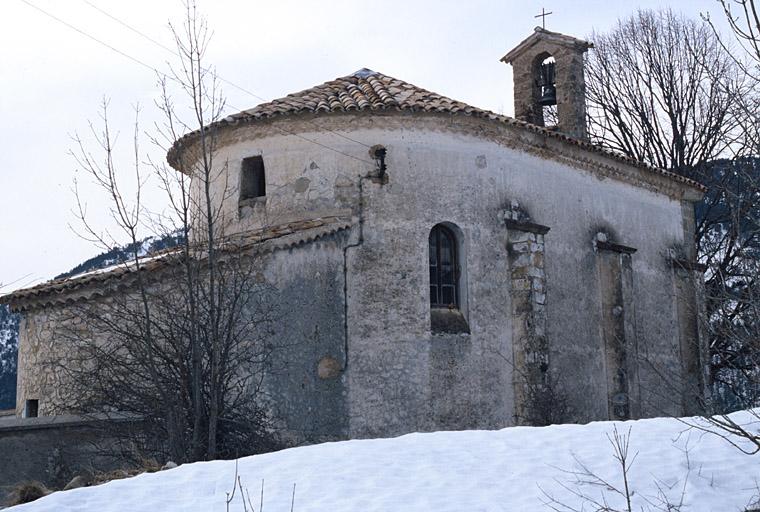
pixel 222 79
pixel 6 285
pixel 166 76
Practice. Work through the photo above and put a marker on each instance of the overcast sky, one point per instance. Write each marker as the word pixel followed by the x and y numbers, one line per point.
pixel 54 78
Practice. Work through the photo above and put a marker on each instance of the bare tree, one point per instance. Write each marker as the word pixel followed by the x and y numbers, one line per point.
pixel 666 90
pixel 184 344
pixel 661 88
pixel 728 239
pixel 744 20
pixel 728 243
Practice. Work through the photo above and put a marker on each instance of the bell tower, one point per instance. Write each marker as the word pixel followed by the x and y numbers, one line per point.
pixel 549 85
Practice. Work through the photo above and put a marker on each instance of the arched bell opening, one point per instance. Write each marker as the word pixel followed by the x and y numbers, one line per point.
pixel 545 90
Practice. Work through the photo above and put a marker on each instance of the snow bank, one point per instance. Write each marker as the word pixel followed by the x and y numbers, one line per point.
pixel 507 470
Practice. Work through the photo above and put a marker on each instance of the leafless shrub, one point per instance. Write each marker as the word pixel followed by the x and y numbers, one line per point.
pixel 26 492
pixel 545 401
pixel 245 497
pixel 548 402
pixel 591 491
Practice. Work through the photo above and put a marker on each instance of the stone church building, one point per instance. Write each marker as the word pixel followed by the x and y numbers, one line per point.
pixel 446 267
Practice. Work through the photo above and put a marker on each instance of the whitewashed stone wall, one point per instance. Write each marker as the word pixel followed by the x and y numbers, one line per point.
pixel 391 373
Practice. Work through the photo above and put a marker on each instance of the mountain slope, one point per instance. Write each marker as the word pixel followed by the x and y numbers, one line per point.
pixel 9 322
pixel 121 254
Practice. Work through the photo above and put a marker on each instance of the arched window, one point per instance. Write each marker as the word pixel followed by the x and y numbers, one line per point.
pixel 444 268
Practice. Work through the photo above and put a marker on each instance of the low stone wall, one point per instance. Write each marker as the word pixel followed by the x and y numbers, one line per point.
pixel 51 450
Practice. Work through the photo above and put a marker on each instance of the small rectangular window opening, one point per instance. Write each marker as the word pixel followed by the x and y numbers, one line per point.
pixel 31 408
pixel 252 178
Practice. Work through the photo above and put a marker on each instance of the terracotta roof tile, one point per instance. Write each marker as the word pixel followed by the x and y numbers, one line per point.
pixel 363 90
pixel 367 90
pixel 93 283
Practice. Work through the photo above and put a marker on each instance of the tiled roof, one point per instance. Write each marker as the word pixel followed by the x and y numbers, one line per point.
pixel 363 90
pixel 282 236
pixel 370 91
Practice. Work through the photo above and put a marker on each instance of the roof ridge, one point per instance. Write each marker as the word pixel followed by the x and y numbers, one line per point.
pixel 364 73
pixel 373 91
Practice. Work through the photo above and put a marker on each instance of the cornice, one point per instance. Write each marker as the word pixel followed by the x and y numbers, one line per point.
pixel 517 135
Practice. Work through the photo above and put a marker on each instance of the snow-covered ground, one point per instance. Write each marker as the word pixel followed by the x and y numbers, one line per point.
pixel 515 469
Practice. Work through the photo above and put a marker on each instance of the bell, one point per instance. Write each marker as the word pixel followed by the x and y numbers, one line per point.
pixel 548 91
pixel 548 96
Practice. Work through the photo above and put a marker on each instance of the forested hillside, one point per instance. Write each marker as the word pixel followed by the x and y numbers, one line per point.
pixel 9 322
pixel 8 352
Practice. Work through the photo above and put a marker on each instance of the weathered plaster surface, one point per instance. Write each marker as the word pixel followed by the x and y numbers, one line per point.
pixel 391 375
pixel 306 389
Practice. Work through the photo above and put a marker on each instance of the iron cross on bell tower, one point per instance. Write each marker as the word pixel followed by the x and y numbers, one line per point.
pixel 543 16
